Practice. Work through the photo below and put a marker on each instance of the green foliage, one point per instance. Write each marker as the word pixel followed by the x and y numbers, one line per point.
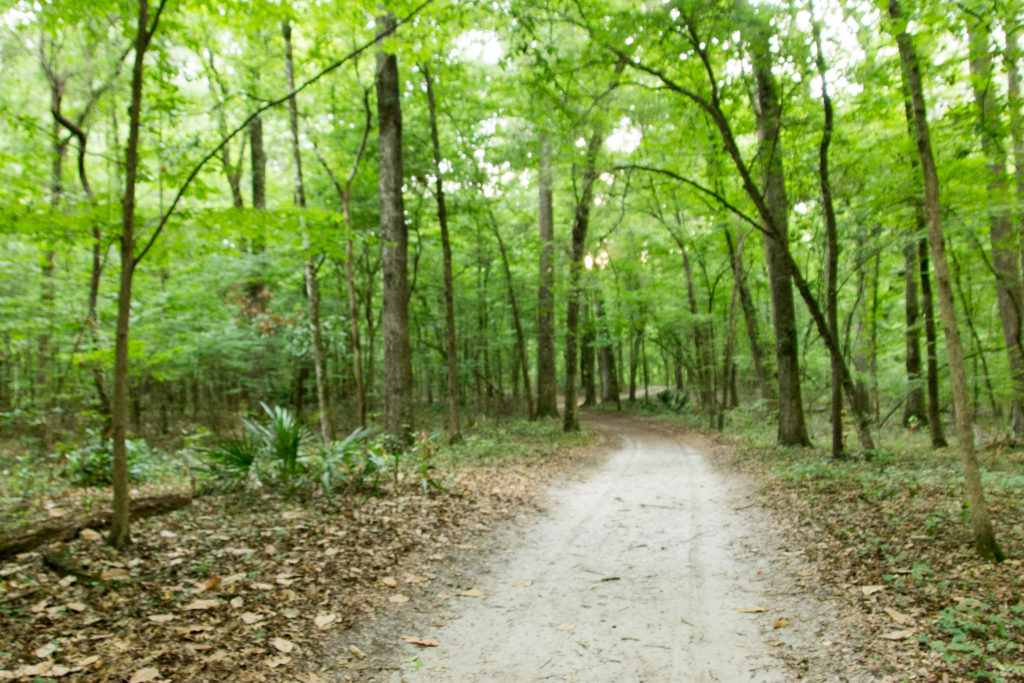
pixel 265 452
pixel 281 437
pixel 356 462
pixel 673 399
pixel 494 442
pixel 232 462
pixel 92 464
pixel 985 638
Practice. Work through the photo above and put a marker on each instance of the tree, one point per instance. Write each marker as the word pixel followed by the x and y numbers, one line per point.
pixel 309 269
pixel 394 243
pixel 454 432
pixel 547 405
pixel 984 537
pixel 144 31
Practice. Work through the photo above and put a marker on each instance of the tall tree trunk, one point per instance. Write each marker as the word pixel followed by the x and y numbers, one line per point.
pixel 792 429
pixel 520 337
pixel 587 357
pixel 580 224
pixel 394 240
pixel 935 430
pixel 749 314
pixel 119 535
pixel 1005 244
pixel 258 159
pixel 606 357
pixel 547 399
pixel 634 360
pixel 984 537
pixel 446 248
pixel 309 270
pixel 702 356
pixel 914 410
pixel 832 249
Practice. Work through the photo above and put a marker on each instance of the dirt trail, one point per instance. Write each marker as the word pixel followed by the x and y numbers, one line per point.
pixel 638 572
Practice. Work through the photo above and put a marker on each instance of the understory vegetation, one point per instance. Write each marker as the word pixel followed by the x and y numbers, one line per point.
pixel 889 536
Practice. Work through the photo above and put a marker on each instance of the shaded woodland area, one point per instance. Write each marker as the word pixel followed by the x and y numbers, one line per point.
pixel 301 245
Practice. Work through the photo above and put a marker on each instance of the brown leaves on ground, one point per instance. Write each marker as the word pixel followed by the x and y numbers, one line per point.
pixel 248 589
pixel 890 544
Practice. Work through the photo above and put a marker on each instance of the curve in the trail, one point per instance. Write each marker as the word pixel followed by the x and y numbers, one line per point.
pixel 640 572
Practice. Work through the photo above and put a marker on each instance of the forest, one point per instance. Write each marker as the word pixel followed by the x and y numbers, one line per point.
pixel 319 247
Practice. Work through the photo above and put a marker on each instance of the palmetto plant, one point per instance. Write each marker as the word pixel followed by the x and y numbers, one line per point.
pixel 262 448
pixel 282 437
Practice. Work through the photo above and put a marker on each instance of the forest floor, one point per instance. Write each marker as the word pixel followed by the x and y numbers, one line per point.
pixel 650 552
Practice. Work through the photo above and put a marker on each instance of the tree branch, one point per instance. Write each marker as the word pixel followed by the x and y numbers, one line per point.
pixel 242 126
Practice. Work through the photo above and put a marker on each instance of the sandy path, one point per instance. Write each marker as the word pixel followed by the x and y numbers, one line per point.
pixel 637 573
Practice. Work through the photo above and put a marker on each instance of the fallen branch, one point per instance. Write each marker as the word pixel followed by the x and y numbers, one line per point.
pixel 66 529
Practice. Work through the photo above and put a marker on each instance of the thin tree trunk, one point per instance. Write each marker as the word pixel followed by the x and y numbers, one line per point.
pixel 587 357
pixel 394 245
pixel 547 390
pixel 310 268
pixel 984 537
pixel 581 222
pixel 1005 244
pixel 979 350
pixel 914 410
pixel 119 535
pixel 700 342
pixel 606 357
pixel 832 249
pixel 446 249
pixel 96 270
pixel 935 430
pixel 749 314
pixel 520 337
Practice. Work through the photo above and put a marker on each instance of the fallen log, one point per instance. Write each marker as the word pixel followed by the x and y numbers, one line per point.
pixel 66 529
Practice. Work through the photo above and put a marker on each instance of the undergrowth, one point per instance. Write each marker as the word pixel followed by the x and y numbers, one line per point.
pixel 900 520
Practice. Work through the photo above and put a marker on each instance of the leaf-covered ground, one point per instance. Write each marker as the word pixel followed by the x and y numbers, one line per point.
pixel 254 587
pixel 266 587
pixel 889 539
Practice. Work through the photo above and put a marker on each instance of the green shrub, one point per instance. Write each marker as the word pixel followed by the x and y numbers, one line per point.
pixel 282 437
pixel 355 462
pixel 232 463
pixel 93 463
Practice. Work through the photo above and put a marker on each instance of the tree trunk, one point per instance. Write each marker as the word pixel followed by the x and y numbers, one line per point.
pixel 547 399
pixel 1005 244
pixel 258 157
pixel 310 267
pixel 749 314
pixel 935 430
pixel 914 410
pixel 606 357
pixel 832 250
pixel 792 429
pixel 702 356
pixel 394 239
pixel 119 535
pixel 449 296
pixel 587 358
pixel 984 537
pixel 520 337
pixel 581 222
